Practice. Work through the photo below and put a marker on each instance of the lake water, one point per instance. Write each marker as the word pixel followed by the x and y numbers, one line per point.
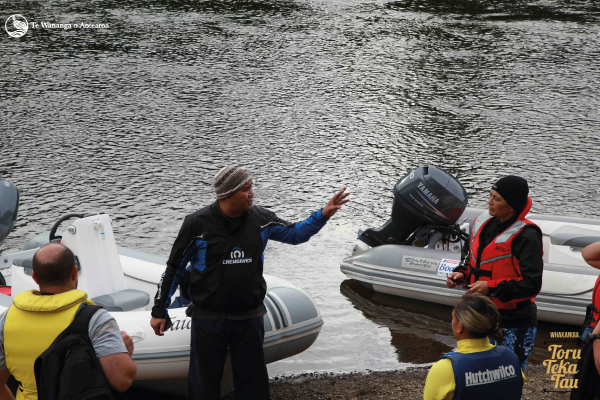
pixel 309 96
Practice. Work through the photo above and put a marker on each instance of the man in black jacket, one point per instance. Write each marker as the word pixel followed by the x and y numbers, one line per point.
pixel 224 244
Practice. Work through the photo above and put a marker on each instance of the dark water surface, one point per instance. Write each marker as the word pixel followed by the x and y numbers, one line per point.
pixel 308 96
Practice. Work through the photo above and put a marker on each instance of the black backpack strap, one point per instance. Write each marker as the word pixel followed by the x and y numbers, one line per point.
pixel 82 319
pixel 588 386
pixel 50 361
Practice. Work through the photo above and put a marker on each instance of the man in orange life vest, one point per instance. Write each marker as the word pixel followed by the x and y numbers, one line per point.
pixel 506 263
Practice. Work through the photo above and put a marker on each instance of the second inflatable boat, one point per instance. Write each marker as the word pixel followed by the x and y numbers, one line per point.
pixel 411 254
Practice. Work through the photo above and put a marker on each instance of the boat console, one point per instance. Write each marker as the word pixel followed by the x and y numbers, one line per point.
pixel 100 273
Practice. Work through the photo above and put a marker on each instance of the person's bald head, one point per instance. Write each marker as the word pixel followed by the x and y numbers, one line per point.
pixel 53 264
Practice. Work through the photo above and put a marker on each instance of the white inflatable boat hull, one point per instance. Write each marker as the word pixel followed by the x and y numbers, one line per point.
pixel 292 322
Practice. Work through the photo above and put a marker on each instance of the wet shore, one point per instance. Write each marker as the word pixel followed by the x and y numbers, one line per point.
pixel 406 384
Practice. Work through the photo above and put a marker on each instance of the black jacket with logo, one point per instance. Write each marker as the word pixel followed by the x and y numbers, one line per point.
pixel 226 261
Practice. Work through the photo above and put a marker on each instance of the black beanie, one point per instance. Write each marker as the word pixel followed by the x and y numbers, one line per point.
pixel 514 190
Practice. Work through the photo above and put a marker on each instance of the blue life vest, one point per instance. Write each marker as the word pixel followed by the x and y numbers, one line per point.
pixel 491 374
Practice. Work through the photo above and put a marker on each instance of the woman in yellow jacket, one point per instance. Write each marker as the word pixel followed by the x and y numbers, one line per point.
pixel 477 369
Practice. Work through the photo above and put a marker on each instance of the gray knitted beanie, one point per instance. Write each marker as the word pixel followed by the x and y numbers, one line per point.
pixel 228 180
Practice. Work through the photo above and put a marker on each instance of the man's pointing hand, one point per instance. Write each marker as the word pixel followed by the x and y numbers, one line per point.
pixel 335 203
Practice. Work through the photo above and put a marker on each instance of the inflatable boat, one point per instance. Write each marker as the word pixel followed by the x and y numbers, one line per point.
pixel 124 280
pixel 412 253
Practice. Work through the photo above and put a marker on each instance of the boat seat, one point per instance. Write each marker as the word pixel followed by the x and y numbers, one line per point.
pixel 5 301
pixel 39 240
pixel 19 261
pixel 581 241
pixel 27 265
pixel 123 300
pixel 574 237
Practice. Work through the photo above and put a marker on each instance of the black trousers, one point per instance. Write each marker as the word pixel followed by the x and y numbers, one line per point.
pixel 210 339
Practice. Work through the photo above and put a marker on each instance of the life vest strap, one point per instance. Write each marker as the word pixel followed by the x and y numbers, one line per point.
pixel 489 260
pixel 478 272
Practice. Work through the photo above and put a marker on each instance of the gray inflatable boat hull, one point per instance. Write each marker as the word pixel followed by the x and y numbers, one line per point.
pixel 418 273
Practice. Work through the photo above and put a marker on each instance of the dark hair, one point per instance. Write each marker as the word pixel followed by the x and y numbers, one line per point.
pixel 53 266
pixel 479 315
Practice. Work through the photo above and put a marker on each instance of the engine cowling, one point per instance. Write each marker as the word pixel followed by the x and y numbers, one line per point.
pixel 426 195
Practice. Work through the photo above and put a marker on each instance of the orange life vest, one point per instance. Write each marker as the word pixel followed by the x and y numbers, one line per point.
pixel 596 304
pixel 497 262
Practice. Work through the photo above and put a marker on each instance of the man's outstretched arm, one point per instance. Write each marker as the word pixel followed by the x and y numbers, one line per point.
pixel 300 232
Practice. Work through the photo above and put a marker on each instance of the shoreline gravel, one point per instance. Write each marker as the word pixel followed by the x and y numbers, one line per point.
pixel 377 385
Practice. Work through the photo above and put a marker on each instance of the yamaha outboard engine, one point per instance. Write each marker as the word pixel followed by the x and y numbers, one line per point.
pixel 427 197
pixel 9 207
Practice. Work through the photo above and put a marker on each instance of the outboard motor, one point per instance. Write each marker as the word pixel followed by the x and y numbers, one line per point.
pixel 427 201
pixel 9 208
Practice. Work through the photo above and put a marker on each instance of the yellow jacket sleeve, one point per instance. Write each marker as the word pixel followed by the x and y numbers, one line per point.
pixel 440 381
